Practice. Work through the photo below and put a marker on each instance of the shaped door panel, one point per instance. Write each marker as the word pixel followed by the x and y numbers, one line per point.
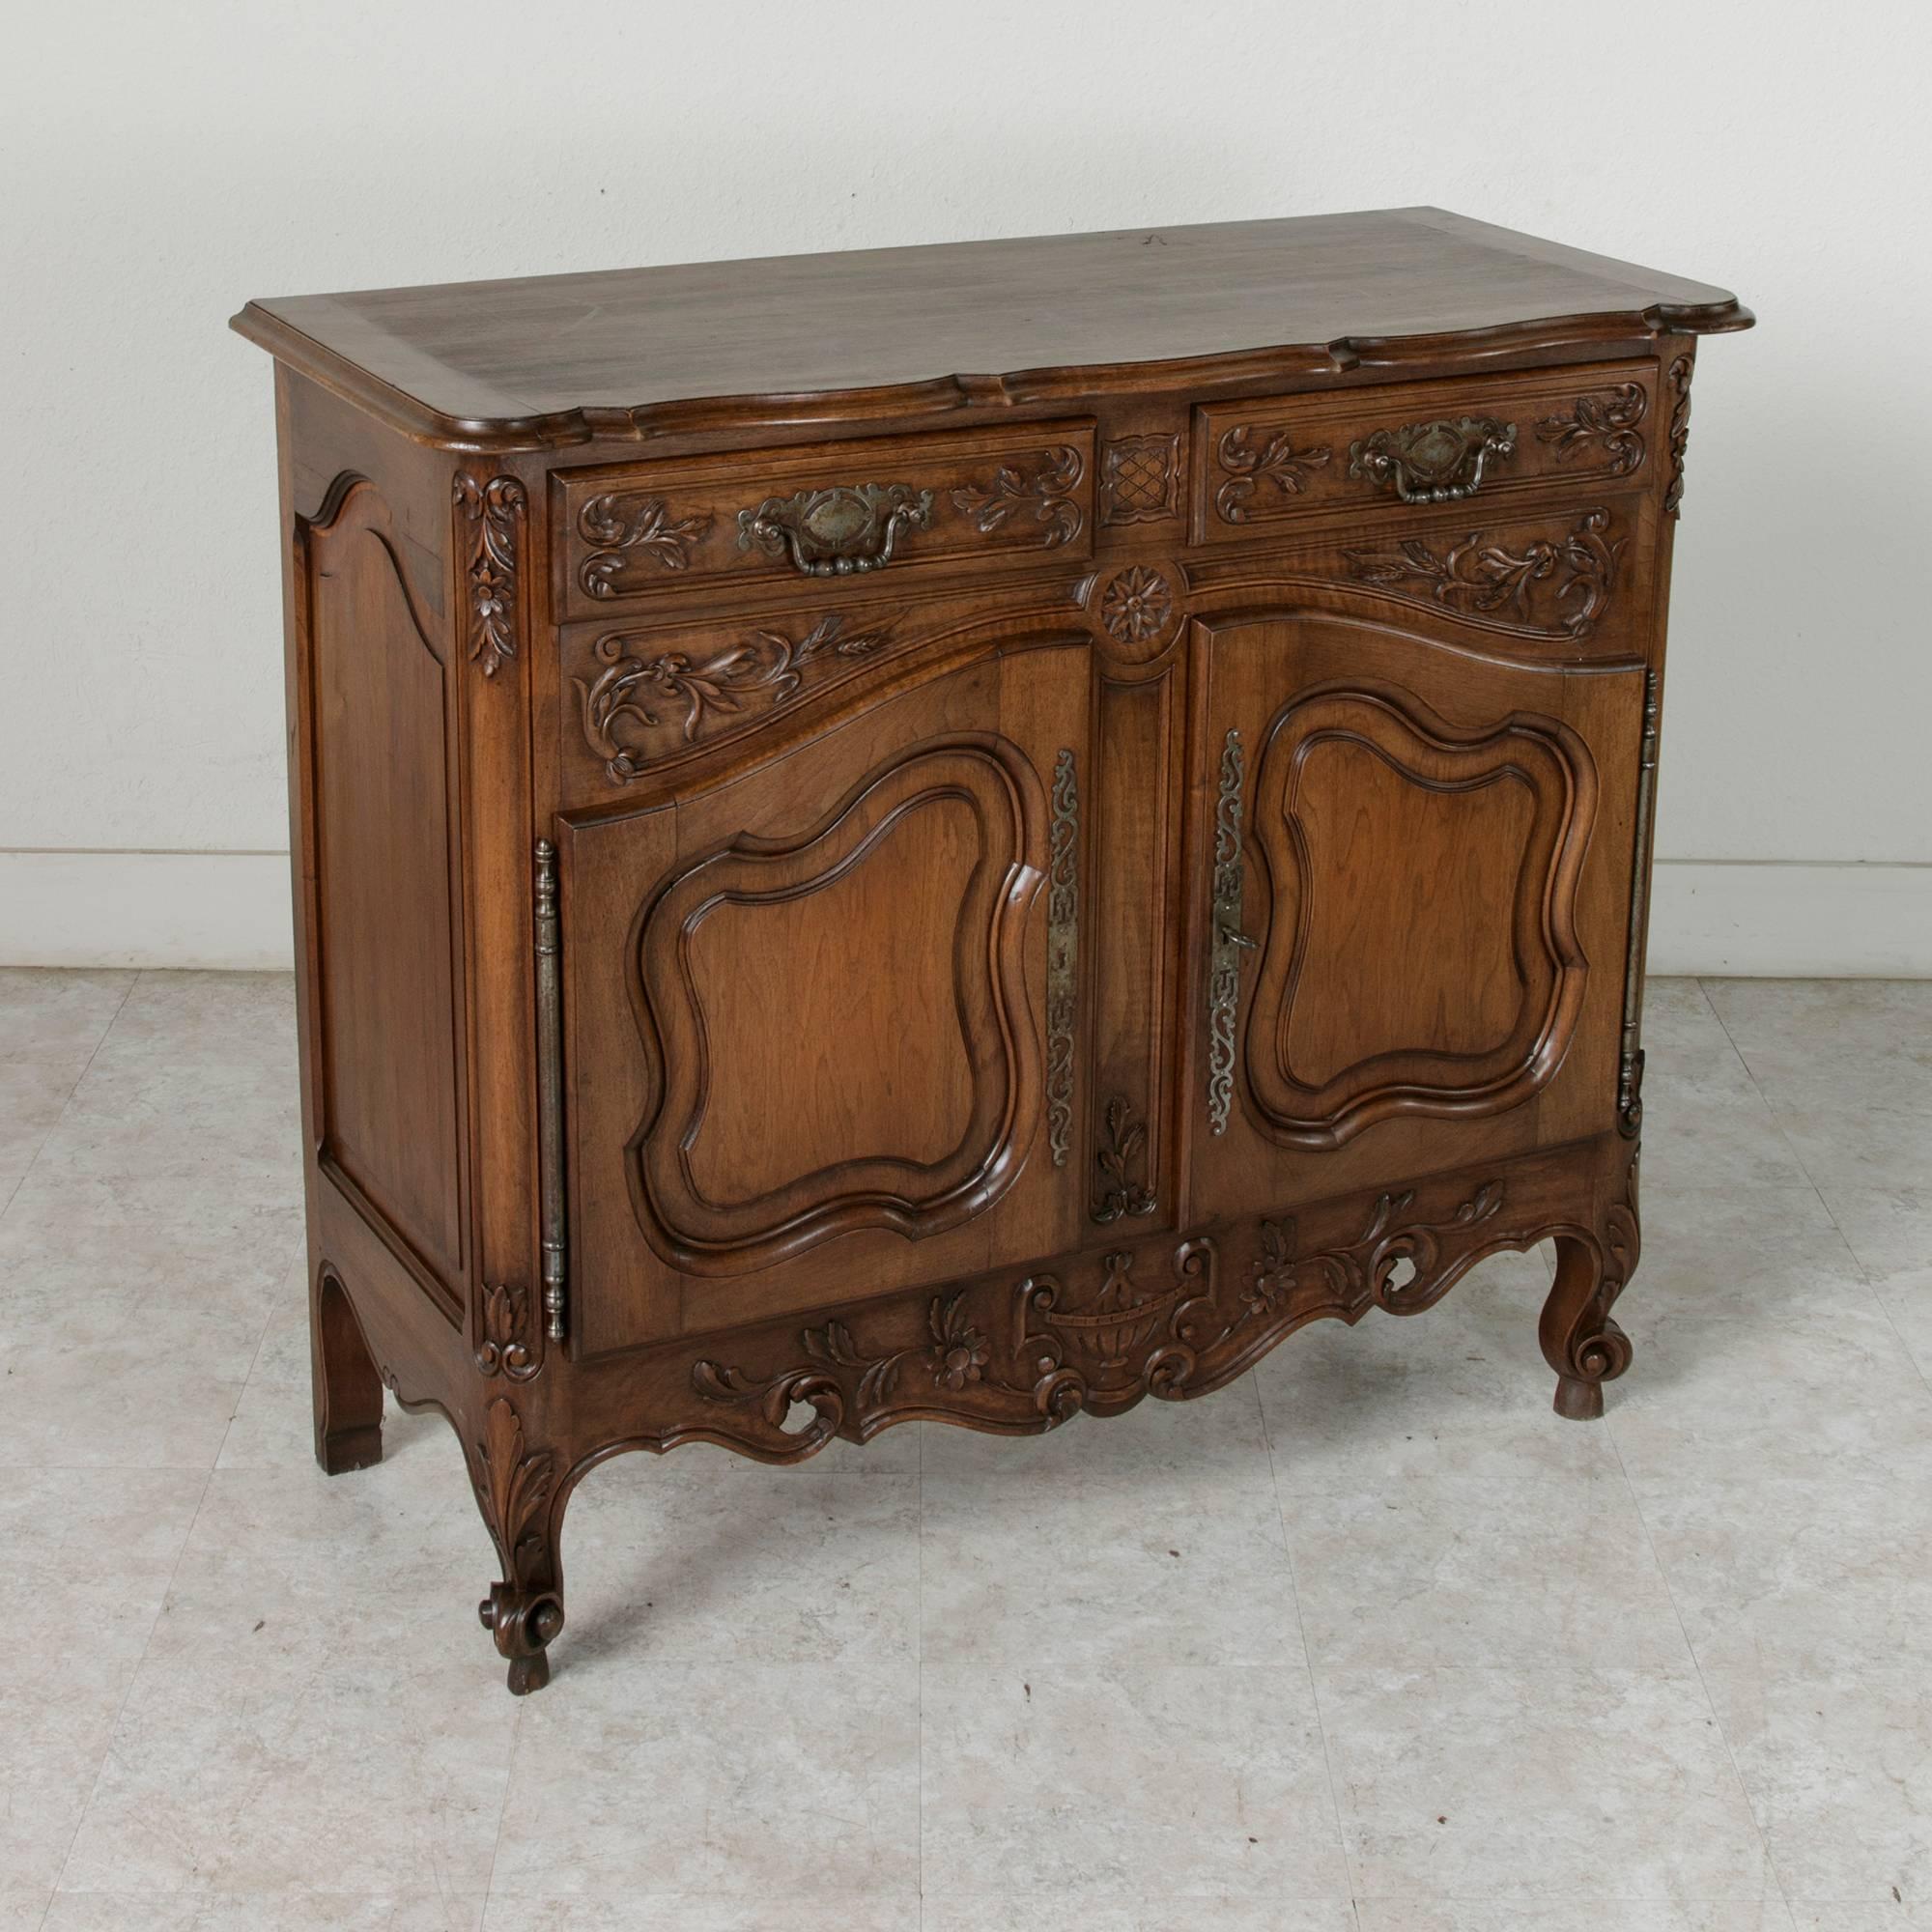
pixel 1421 949
pixel 1419 910
pixel 872 970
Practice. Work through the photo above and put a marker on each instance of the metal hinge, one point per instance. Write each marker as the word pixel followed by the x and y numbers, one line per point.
pixel 1630 1062
pixel 550 1088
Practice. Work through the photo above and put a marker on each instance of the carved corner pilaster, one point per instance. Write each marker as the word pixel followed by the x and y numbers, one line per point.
pixel 1678 383
pixel 489 515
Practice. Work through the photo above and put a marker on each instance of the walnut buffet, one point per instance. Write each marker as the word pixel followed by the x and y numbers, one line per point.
pixel 971 833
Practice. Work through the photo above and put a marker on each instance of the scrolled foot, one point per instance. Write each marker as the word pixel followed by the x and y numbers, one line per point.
pixel 1579 1400
pixel 528 1673
pixel 523 1625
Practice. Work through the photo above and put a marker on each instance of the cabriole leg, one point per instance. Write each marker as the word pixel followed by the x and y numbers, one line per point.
pixel 515 1485
pixel 1579 1340
pixel 348 1391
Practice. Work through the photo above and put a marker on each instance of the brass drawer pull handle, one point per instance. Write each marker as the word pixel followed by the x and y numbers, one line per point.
pixel 1224 962
pixel 833 532
pixel 1438 462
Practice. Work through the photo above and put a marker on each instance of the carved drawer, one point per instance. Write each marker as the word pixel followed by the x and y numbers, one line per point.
pixel 789 516
pixel 1259 461
pixel 642 691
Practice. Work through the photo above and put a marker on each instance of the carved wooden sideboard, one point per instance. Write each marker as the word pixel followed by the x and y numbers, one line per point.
pixel 971 833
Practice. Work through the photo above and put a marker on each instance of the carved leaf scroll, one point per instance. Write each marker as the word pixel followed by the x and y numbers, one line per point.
pixel 644 692
pixel 1249 465
pixel 1600 421
pixel 1120 1157
pixel 1042 491
pixel 1554 588
pixel 646 529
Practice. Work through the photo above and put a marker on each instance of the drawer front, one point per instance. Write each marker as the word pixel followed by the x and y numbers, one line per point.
pixel 762 517
pixel 1421 445
pixel 640 697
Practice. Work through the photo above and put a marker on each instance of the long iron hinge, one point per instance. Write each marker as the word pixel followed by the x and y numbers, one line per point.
pixel 1630 1063
pixel 550 1088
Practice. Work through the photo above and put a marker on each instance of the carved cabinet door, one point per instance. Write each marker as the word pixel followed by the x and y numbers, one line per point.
pixel 820 1011
pixel 1413 906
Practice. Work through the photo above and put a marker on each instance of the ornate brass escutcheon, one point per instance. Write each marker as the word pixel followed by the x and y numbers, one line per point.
pixel 1438 462
pixel 831 533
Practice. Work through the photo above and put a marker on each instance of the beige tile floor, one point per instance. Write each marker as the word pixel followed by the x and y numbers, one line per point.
pixel 1370 1642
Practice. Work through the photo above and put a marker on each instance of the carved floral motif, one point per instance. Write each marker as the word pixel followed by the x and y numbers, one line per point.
pixel 1558 588
pixel 495 511
pixel 1043 491
pixel 1608 421
pixel 765 661
pixel 1136 606
pixel 647 530
pixel 1248 466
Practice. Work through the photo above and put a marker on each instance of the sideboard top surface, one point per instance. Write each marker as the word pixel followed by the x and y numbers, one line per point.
pixel 554 359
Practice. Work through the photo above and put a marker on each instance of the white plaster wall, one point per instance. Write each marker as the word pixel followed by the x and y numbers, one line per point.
pixel 162 163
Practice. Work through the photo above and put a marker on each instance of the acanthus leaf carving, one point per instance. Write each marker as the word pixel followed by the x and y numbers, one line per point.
pixel 505 1344
pixel 763 661
pixel 1604 420
pixel 1552 588
pixel 1043 491
pixel 523 1612
pixel 493 511
pixel 514 1488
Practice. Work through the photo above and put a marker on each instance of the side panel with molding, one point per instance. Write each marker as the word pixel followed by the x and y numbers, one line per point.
pixel 382 886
